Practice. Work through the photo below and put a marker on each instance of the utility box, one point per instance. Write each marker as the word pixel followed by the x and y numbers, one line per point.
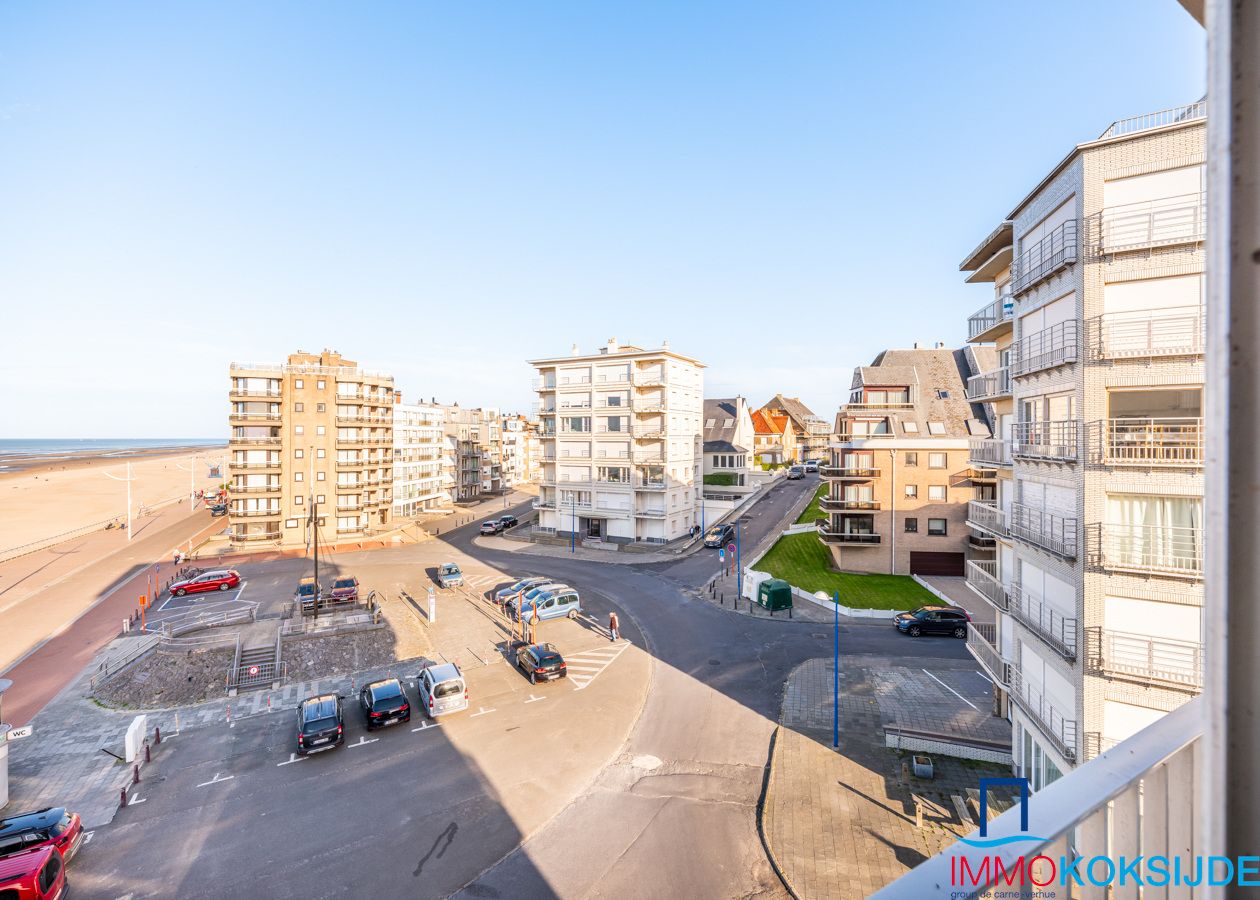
pixel 774 594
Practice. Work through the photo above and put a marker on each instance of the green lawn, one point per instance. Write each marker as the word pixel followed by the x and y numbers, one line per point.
pixel 804 562
pixel 812 512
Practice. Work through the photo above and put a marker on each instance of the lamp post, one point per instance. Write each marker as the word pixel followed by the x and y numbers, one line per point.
pixel 835 656
pixel 573 522
pixel 739 566
pixel 128 479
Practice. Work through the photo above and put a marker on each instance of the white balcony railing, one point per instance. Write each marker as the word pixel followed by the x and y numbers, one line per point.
pixel 988 385
pixel 1044 258
pixel 1157 549
pixel 982 576
pixel 987 516
pixel 1152 223
pixel 1145 333
pixel 1144 658
pixel 1045 349
pixel 1153 442
pixel 989 452
pixel 1047 530
pixel 1045 440
pixel 1165 117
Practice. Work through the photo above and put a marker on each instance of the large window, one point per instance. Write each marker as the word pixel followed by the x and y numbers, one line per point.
pixel 937 460
pixel 938 527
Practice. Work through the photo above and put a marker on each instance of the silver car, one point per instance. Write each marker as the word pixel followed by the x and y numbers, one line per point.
pixel 442 690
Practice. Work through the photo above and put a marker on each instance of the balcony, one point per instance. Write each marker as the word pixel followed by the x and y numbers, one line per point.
pixel 650 512
pixel 1054 441
pixel 649 432
pixel 543 384
pixel 235 394
pixel 1057 631
pixel 1051 721
pixel 273 488
pixel 861 538
pixel 1153 442
pixel 1047 530
pixel 990 385
pixel 1144 658
pixel 1166 222
pixel 847 504
pixel 848 473
pixel 987 516
pixel 1150 333
pixel 1152 549
pixel 1057 345
pixel 349 506
pixel 274 512
pixel 256 536
pixel 650 484
pixel 651 407
pixel 364 420
pixel 544 504
pixel 983 578
pixel 992 321
pixel 273 464
pixel 234 417
pixel 982 643
pixel 648 457
pixel 354 463
pixel 649 379
pixel 988 453
pixel 1053 253
pixel 272 441
pixel 568 407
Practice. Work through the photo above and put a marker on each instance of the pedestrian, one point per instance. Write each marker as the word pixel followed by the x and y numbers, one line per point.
pixel 614 627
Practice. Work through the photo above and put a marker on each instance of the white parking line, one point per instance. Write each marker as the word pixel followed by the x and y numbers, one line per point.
pixel 363 741
pixel 138 799
pixel 293 757
pixel 533 699
pixel 481 711
pixel 425 726
pixel 215 780
pixel 87 837
pixel 592 661
pixel 951 690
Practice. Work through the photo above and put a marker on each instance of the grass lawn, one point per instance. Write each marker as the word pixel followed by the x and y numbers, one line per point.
pixel 803 561
pixel 720 478
pixel 812 512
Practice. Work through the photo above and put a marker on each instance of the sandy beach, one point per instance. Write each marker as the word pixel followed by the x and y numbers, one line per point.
pixel 41 498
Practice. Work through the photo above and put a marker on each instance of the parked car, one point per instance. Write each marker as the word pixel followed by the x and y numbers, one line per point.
pixel 513 605
pixel 795 472
pixel 442 690
pixel 505 594
pixel 509 521
pixel 553 604
pixel 52 826
pixel 321 724
pixel 214 580
pixel 344 588
pixel 719 535
pixel 449 575
pixel 811 465
pixel 37 874
pixel 384 703
pixel 933 620
pixel 494 526
pixel 541 662
pixel 219 509
pixel 307 592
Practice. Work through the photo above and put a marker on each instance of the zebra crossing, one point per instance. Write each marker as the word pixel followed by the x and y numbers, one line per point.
pixel 586 665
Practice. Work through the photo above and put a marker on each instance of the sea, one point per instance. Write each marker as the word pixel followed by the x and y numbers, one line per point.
pixel 53 447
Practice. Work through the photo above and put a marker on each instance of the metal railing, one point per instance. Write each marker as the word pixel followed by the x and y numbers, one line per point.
pixel 1153 442
pixel 1059 632
pixel 846 537
pixel 1053 252
pixel 1000 311
pixel 649 430
pixel 1050 531
pixel 1156 549
pixel 848 504
pixel 649 484
pixel 651 512
pixel 861 473
pixel 268 395
pixel 1140 334
pixel 248 513
pixel 255 488
pixel 253 417
pixel 982 575
pixel 543 384
pixel 987 516
pixel 254 465
pixel 1144 658
pixel 989 452
pixel 1173 116
pixel 1152 223
pixel 309 369
pixel 1054 346
pixel 1051 721
pixel 988 385
pixel 982 642
pixel 1046 440
pixel 238 537
pixel 254 441
pixel 647 379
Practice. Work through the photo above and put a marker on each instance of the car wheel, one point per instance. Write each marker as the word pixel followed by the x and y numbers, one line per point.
pixel 915 631
pixel 533 678
pixel 960 632
pixel 573 614
pixel 225 586
pixel 180 592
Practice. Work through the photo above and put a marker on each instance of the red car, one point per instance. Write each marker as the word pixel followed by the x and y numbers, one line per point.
pixel 51 827
pixel 214 580
pixel 38 874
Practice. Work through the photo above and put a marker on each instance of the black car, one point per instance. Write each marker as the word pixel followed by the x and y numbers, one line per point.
pixel 494 526
pixel 719 535
pixel 541 662
pixel 219 509
pixel 384 703
pixel 321 724
pixel 933 620
pixel 508 521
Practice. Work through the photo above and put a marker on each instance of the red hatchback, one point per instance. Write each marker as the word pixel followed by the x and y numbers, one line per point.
pixel 46 827
pixel 215 580
pixel 38 874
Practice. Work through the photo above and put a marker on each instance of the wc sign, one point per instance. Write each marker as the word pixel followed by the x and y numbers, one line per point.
pixel 16 734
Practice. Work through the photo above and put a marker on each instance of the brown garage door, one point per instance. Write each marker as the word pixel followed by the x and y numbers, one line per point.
pixel 923 563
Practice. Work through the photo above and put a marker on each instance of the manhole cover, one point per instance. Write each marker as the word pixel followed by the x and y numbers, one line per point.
pixel 715 662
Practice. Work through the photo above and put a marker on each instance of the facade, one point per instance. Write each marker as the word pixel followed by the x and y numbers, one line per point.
pixel 728 443
pixel 620 434
pixel 314 429
pixel 419 446
pixel 1096 461
pixel 812 433
pixel 474 451
pixel 519 446
pixel 774 440
pixel 899 477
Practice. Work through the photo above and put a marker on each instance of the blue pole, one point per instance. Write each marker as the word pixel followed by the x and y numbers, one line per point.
pixel 835 687
pixel 739 566
pixel 573 523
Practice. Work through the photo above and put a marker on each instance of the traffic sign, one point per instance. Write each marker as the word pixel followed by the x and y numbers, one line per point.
pixel 721 555
pixel 18 733
pixel 730 547
pixel 253 671
pixel 144 601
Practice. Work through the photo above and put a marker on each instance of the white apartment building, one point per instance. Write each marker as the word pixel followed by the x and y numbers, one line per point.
pixel 419 447
pixel 519 443
pixel 1096 461
pixel 621 440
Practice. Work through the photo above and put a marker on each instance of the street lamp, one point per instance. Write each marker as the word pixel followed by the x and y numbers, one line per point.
pixel 835 665
pixel 128 479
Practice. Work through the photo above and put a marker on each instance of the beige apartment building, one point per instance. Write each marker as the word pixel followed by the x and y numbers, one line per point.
pixel 1096 457
pixel 811 433
pixel 316 429
pixel 899 474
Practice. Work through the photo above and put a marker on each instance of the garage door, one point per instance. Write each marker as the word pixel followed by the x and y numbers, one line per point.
pixel 922 563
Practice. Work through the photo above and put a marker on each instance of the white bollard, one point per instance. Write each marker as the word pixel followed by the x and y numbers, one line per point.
pixel 133 744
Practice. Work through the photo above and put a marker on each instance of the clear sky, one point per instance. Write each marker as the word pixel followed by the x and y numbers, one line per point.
pixel 447 190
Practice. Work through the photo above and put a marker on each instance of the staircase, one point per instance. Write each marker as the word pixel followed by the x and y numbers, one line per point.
pixel 256 666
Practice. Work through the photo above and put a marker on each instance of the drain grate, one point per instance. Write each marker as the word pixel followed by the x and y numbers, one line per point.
pixel 715 662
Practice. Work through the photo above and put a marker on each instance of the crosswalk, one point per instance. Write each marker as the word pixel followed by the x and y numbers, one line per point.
pixel 585 666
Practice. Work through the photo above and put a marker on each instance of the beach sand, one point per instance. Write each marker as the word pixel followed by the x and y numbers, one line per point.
pixel 54 497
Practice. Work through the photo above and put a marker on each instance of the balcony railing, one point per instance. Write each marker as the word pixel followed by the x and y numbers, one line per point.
pixel 1055 251
pixel 993 320
pixel 544 504
pixel 1146 333
pixel 266 395
pixel 982 642
pixel 1046 440
pixel 1051 720
pixel 846 537
pixel 1155 549
pixel 849 473
pixel 1144 658
pixel 651 512
pixel 982 575
pixel 649 432
pixel 543 384
pixel 649 484
pixel 649 379
pixel 253 417
pixel 254 441
pixel 254 513
pixel 275 464
pixel 1165 117
pixel 1047 530
pixel 989 385
pixel 987 516
pixel 256 488
pixel 1057 345
pixel 1059 632
pixel 1153 442
pixel 256 536
pixel 647 457
pixel 1153 223
pixel 847 504
pixel 1144 786
pixel 990 452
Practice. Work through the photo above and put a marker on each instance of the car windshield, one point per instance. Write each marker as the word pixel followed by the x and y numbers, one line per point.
pixel 306 588
pixel 320 709
pixel 343 583
pixel 449 569
pixel 387 691
pixel 534 594
pixel 547 658
pixel 447 689
pixel 520 585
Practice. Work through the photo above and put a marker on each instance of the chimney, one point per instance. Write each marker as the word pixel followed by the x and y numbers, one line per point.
pixel 940 345
pixel 574 351
pixel 916 345
pixel 665 345
pixel 612 345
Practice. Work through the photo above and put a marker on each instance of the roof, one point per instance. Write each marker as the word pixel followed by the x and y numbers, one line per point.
pixel 797 411
pixel 40 818
pixel 1000 237
pixel 937 379
pixel 445 672
pixel 724 413
pixel 22 864
pixel 768 423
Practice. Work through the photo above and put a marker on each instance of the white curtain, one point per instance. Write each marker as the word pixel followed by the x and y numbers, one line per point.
pixel 1155 532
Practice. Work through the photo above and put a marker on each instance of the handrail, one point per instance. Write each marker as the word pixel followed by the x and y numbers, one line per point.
pixel 1172 116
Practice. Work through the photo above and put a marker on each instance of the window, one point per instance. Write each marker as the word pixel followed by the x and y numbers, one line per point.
pixel 936 492
pixel 297 383
pixel 321 407
pixel 299 407
pixel 912 490
pixel 936 428
pixel 912 526
pixel 912 458
pixel 320 453
pixel 297 476
pixel 290 523
pixel 937 527
pixel 319 429
pixel 299 429
pixel 48 874
pixel 321 384
pixel 319 498
pixel 942 395
pixel 297 501
pixel 910 427
pixel 299 453
pixel 319 476
pixel 937 460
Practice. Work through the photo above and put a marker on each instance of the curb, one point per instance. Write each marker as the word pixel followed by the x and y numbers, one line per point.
pixel 761 814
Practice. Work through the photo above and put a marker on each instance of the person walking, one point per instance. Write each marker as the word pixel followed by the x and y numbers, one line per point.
pixel 614 627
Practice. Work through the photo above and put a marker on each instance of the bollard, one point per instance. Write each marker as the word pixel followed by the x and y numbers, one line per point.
pixel 789 612
pixel 148 753
pixel 268 703
pixel 135 774
pixel 123 800
pixel 722 599
pixel 157 735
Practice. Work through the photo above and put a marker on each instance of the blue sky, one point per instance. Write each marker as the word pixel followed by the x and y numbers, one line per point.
pixel 444 191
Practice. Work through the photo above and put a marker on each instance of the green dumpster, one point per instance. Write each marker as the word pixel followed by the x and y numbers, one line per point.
pixel 774 593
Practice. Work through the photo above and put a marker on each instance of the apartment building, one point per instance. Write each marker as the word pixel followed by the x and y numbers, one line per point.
pixel 519 446
pixel 474 452
pixel 621 440
pixel 419 446
pixel 774 439
pixel 812 433
pixel 1096 457
pixel 316 428
pixel 899 475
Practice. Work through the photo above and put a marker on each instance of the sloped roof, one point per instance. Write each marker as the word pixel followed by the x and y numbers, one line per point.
pixel 938 381
pixel 797 411
pixel 768 423
pixel 724 414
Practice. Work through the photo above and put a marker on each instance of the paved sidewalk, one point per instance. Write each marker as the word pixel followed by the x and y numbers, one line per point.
pixel 841 823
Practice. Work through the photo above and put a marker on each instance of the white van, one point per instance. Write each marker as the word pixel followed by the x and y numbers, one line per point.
pixel 442 690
